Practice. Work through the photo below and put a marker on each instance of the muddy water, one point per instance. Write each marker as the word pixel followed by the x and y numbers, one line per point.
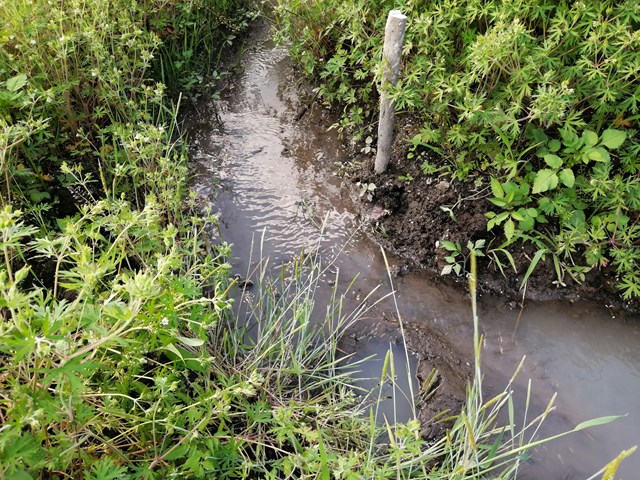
pixel 270 179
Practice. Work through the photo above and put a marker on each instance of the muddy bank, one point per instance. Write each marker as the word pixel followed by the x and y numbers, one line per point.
pixel 409 213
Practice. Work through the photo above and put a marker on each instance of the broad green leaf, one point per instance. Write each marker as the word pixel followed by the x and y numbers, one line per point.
pixel 570 139
pixel 509 229
pixel 590 138
pixel 553 161
pixel 188 359
pixel 502 217
pixel 499 202
pixel 496 188
pixel 612 138
pixel 452 247
pixel 567 177
pixel 190 342
pixel 545 180
pixel 598 154
pixel 554 145
pixel 527 224
pixel 517 215
pixel 16 83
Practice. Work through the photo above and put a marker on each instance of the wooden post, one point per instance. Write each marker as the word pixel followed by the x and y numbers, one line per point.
pixel 393 37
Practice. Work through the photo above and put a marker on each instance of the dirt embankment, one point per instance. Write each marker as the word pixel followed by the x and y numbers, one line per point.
pixel 410 213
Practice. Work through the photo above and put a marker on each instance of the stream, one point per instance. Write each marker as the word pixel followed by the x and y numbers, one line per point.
pixel 270 179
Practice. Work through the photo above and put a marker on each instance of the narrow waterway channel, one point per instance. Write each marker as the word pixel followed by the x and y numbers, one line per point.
pixel 270 177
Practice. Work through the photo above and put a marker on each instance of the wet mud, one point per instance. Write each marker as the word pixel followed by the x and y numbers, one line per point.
pixel 268 171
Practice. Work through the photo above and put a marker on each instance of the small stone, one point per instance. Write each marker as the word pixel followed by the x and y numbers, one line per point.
pixel 443 186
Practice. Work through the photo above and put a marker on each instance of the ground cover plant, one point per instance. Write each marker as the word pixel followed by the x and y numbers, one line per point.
pixel 536 98
pixel 119 353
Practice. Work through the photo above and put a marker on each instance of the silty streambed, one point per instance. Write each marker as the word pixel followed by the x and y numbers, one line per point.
pixel 270 176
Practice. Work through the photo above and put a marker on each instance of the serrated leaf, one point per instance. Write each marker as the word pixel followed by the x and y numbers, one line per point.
pixel 509 229
pixel 496 188
pixel 545 180
pixel 553 161
pixel 517 216
pixel 446 270
pixel 502 217
pixel 567 177
pixel 590 138
pixel 527 224
pixel 452 247
pixel 500 202
pixel 16 83
pixel 570 139
pixel 612 138
pixel 598 154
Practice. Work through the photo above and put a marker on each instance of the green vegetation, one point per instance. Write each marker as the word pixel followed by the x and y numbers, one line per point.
pixel 120 356
pixel 539 96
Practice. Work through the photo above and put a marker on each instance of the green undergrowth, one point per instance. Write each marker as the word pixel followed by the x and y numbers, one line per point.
pixel 539 96
pixel 120 354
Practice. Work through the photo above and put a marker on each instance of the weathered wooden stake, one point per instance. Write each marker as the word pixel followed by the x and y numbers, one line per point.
pixel 393 37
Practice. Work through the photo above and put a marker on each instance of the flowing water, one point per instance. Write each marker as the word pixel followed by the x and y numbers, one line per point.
pixel 270 179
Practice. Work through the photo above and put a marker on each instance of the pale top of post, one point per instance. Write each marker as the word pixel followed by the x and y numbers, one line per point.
pixel 392 51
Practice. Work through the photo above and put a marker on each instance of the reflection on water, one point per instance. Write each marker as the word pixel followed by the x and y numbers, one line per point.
pixel 265 172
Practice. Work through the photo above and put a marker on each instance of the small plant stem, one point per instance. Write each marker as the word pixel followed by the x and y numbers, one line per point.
pixel 515 329
pixel 161 458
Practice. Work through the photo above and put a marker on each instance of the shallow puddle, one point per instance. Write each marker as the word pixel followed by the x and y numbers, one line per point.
pixel 270 179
